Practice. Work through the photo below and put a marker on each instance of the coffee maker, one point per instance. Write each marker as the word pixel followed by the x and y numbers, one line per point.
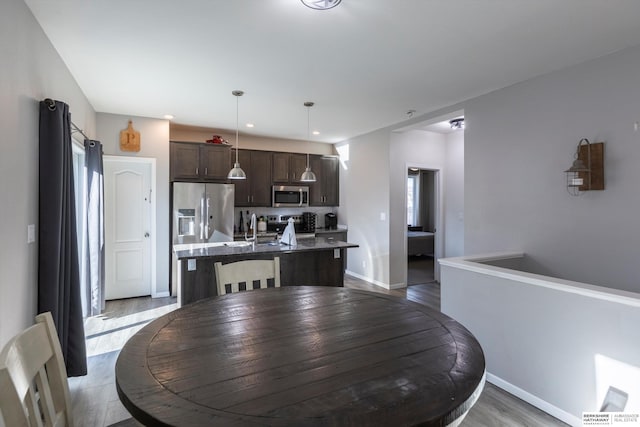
pixel 330 221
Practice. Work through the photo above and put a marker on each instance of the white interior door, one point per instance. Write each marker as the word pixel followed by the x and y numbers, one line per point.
pixel 127 188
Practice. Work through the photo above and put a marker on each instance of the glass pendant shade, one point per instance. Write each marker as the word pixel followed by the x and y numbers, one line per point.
pixel 237 172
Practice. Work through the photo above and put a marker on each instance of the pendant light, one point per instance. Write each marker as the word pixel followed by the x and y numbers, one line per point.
pixel 307 175
pixel 237 172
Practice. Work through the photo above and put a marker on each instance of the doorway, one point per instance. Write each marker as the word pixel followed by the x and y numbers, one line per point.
pixel 129 222
pixel 422 220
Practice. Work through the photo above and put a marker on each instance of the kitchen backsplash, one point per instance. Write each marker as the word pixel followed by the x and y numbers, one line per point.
pixel 319 211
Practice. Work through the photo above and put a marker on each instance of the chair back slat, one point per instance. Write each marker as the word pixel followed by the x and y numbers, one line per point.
pixel 33 379
pixel 247 272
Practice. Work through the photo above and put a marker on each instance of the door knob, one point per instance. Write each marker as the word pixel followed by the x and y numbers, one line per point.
pixel 146 234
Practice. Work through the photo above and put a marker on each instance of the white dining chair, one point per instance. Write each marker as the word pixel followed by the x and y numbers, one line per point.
pixel 33 378
pixel 247 272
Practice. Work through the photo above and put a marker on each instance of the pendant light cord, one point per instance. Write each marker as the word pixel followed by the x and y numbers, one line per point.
pixel 308 134
pixel 237 124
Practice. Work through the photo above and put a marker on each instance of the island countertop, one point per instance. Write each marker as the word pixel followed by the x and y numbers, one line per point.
pixel 319 261
pixel 221 249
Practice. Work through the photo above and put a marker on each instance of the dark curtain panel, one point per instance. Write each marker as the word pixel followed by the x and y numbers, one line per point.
pixel 58 268
pixel 94 256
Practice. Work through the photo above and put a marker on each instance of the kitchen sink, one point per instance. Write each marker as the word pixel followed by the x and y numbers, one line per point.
pixel 237 244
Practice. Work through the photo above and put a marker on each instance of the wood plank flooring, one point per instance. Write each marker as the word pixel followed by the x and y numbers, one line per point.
pixel 96 403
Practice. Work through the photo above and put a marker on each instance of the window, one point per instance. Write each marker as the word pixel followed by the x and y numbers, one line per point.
pixel 413 199
pixel 79 184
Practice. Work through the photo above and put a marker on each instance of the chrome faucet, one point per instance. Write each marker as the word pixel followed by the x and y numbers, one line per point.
pixel 254 227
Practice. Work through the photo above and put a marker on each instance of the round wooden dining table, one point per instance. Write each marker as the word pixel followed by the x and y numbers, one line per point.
pixel 301 356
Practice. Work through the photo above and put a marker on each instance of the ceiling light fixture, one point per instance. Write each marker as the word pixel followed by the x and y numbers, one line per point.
pixel 250 125
pixel 307 175
pixel 457 123
pixel 168 117
pixel 237 172
pixel 321 4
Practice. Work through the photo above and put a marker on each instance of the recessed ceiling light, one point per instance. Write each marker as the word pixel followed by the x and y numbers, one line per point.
pixel 168 116
pixel 249 125
pixel 315 132
pixel 321 4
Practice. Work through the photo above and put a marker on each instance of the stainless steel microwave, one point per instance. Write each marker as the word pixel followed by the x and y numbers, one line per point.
pixel 286 196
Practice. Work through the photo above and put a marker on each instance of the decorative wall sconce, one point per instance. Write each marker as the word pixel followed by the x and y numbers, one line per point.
pixel 587 171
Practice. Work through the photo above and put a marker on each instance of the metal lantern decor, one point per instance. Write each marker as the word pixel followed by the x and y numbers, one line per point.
pixel 587 171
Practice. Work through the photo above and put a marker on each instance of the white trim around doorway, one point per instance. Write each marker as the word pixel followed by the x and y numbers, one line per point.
pixel 152 162
pixel 438 244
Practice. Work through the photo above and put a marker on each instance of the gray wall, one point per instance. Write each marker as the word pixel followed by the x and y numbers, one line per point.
pixel 31 71
pixel 454 195
pixel 518 142
pixel 374 183
pixel 364 196
pixel 562 361
pixel 154 143
pixel 425 150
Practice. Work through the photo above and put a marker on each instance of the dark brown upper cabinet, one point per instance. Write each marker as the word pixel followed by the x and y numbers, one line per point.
pixel 326 190
pixel 256 189
pixel 190 161
pixel 288 167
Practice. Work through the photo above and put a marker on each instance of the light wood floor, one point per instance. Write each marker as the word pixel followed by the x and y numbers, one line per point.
pixel 96 403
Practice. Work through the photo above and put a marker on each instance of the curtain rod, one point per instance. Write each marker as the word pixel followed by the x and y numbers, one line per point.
pixel 51 104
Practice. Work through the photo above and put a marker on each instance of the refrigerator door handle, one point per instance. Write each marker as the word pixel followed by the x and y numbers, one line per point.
pixel 201 219
pixel 207 221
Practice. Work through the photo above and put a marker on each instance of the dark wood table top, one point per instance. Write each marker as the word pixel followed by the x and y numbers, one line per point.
pixel 299 356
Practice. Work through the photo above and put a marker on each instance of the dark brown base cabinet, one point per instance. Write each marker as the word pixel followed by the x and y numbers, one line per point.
pixel 191 161
pixel 308 268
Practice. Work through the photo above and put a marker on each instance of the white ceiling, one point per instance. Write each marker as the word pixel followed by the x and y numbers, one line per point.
pixel 365 63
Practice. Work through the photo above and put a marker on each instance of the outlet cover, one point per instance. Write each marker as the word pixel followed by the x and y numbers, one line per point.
pixel 31 233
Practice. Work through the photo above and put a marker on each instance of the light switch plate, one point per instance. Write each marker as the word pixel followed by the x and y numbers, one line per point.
pixel 31 233
pixel 191 264
pixel 336 253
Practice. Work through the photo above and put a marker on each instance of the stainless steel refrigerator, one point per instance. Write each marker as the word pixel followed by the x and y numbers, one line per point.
pixel 201 213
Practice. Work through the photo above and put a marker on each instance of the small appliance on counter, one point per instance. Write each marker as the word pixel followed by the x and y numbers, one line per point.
pixel 262 225
pixel 309 222
pixel 330 221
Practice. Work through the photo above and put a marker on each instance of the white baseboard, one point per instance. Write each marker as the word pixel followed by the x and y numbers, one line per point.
pixel 397 286
pixel 535 401
pixel 160 294
pixel 375 282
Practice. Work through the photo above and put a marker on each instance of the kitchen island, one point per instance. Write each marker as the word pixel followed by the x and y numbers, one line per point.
pixel 312 262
